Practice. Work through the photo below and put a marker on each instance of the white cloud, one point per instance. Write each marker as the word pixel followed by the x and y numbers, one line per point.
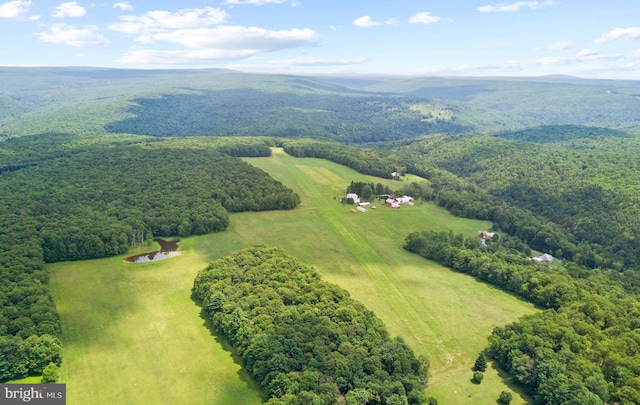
pixel 637 54
pixel 619 34
pixel 69 9
pixel 587 52
pixel 124 6
pixel 14 9
pixel 514 6
pixel 219 43
pixel 70 35
pixel 251 39
pixel 155 21
pixel 365 22
pixel 425 18
pixel 560 45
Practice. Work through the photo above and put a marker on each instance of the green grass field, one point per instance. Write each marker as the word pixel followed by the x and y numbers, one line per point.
pixel 132 334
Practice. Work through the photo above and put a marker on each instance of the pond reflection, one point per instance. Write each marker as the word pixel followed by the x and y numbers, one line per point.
pixel 167 249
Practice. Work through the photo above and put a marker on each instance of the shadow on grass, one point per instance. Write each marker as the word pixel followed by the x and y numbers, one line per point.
pixel 226 346
pixel 506 378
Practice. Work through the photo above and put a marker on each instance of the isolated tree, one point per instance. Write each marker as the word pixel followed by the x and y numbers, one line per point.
pixel 481 363
pixel 505 398
pixel 50 374
pixel 477 377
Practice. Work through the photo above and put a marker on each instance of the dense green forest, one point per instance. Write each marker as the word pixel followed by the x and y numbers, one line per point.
pixel 586 181
pixel 302 339
pixel 255 112
pixel 91 202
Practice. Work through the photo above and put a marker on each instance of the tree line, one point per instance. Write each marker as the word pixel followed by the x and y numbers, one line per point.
pixel 302 339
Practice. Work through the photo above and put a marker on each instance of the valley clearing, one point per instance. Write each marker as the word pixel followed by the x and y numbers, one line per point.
pixel 132 335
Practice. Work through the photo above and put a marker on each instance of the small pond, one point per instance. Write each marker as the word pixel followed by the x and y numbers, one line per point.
pixel 167 249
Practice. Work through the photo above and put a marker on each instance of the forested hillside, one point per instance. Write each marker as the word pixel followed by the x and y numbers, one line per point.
pixel 347 118
pixel 583 179
pixel 94 202
pixel 344 109
pixel 534 101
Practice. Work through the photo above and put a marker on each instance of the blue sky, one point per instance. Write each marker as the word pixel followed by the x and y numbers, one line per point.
pixel 586 38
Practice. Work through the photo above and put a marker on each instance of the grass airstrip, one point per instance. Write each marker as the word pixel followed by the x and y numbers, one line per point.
pixel 133 335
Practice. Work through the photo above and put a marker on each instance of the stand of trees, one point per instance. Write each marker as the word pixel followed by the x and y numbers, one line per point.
pixel 582 350
pixel 96 202
pixel 302 339
pixel 90 205
pixel 368 190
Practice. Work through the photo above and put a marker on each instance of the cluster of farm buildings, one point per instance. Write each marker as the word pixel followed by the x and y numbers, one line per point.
pixel 389 201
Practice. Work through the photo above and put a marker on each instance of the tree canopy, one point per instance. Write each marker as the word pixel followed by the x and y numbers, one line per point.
pixel 303 339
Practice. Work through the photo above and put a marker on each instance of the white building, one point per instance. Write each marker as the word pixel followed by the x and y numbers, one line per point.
pixel 354 197
pixel 545 258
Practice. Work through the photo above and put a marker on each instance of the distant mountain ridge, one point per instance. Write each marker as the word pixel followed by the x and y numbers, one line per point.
pixel 349 109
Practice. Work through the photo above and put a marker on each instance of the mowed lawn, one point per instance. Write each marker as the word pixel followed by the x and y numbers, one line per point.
pixel 132 334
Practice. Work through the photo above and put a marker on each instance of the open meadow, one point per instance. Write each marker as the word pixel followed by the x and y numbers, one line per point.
pixel 133 335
